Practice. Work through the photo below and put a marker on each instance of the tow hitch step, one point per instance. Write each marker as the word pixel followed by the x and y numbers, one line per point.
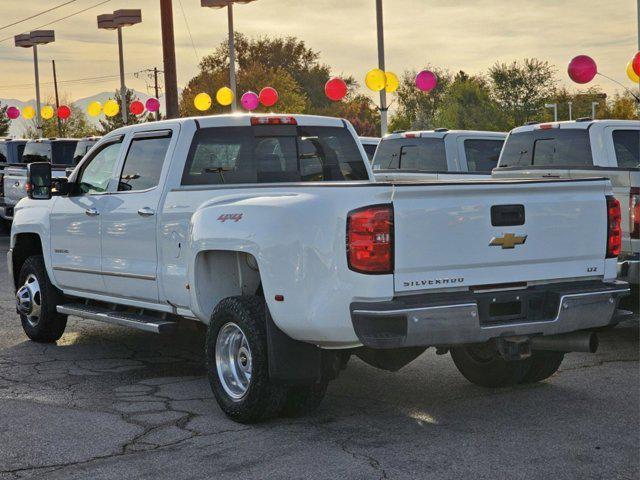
pixel 147 323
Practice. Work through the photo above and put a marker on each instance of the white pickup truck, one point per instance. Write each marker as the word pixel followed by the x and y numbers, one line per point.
pixel 439 154
pixel 581 149
pixel 271 231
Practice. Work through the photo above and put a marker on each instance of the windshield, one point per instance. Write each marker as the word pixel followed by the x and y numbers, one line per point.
pixel 37 152
pixel 547 148
pixel 423 154
pixel 278 153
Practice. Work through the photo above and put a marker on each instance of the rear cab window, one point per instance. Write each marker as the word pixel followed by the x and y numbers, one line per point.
pixel 423 154
pixel 37 152
pixel 626 144
pixel 482 155
pixel 273 154
pixel 4 153
pixel 554 147
pixel 62 152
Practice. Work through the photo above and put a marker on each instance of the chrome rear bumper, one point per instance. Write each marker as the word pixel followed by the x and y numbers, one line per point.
pixel 466 317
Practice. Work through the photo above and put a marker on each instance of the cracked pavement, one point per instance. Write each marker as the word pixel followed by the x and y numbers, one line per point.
pixel 108 402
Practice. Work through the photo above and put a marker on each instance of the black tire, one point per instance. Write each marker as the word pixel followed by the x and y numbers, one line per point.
pixel 303 399
pixel 543 365
pixel 263 399
pixel 50 324
pixel 482 365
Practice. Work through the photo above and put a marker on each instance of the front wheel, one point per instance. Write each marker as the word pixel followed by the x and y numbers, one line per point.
pixel 36 301
pixel 237 362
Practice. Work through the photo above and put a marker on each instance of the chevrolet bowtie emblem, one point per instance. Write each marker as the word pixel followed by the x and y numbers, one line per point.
pixel 509 240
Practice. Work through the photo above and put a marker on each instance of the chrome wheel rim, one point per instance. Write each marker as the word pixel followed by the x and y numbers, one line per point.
pixel 29 300
pixel 233 360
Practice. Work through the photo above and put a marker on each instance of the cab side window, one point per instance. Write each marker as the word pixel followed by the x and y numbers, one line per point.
pixel 97 172
pixel 627 146
pixel 144 161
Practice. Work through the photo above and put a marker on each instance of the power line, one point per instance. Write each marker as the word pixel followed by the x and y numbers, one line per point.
pixel 37 14
pixel 74 81
pixel 61 18
pixel 195 50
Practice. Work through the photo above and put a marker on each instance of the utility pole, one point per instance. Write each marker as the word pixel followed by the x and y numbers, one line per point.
pixel 156 88
pixel 169 57
pixel 232 58
pixel 381 66
pixel 55 89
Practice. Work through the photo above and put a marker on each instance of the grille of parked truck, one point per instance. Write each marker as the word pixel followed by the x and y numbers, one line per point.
pixel 271 230
pixel 581 149
pixel 437 154
pixel 57 151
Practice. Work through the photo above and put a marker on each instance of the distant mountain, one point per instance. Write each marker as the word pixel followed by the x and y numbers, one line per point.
pixel 19 126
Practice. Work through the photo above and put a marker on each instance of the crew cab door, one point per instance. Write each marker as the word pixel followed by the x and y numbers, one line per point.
pixel 76 221
pixel 129 220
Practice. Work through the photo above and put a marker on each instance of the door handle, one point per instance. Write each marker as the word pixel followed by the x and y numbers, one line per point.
pixel 146 212
pixel 92 212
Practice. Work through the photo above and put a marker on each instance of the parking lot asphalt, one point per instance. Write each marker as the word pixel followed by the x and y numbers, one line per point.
pixel 107 402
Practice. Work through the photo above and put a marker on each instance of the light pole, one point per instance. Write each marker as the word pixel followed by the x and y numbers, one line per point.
pixel 115 21
pixel 232 48
pixel 570 111
pixel 32 40
pixel 593 110
pixel 381 66
pixel 555 110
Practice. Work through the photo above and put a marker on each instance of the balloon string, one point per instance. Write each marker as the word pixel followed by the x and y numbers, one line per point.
pixel 617 82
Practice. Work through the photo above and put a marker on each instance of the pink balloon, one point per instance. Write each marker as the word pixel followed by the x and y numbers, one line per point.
pixel 426 81
pixel 152 105
pixel 250 101
pixel 582 69
pixel 13 112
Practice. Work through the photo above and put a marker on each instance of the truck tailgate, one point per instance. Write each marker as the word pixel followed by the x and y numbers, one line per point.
pixel 471 234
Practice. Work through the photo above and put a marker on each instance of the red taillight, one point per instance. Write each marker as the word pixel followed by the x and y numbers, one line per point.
pixel 273 121
pixel 410 135
pixel 370 239
pixel 614 229
pixel 634 212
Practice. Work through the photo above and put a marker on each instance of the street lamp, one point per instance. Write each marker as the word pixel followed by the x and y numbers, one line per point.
pixel 232 49
pixel 555 110
pixel 115 21
pixel 32 40
pixel 570 110
pixel 381 66
pixel 593 110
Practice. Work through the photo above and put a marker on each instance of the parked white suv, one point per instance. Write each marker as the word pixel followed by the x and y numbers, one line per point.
pixel 582 149
pixel 270 230
pixel 439 154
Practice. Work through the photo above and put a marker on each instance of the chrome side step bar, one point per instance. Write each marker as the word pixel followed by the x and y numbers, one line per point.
pixel 147 323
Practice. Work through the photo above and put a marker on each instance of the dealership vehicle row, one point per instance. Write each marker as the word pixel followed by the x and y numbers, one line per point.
pixel 185 219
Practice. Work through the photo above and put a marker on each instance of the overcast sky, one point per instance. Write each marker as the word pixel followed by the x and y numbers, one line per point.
pixel 454 34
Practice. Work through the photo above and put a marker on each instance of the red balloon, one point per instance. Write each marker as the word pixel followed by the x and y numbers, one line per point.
pixel 635 63
pixel 335 89
pixel 268 96
pixel 64 112
pixel 13 112
pixel 136 107
pixel 582 69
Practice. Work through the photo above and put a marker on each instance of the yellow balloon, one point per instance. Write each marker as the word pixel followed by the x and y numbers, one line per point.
pixel 111 108
pixel 202 101
pixel 224 96
pixel 376 80
pixel 28 112
pixel 47 112
pixel 94 109
pixel 631 74
pixel 392 82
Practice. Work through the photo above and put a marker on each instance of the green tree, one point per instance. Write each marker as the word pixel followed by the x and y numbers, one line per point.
pixel 416 110
pixel 5 121
pixel 287 65
pixel 467 105
pixel 522 88
pixel 111 123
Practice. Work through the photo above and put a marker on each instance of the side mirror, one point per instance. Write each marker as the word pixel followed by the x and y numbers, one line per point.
pixel 39 181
